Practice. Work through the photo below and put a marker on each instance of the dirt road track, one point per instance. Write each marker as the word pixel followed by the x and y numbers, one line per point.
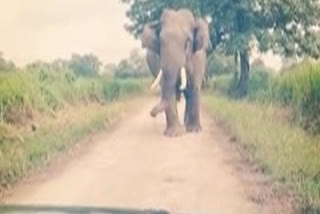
pixel 135 166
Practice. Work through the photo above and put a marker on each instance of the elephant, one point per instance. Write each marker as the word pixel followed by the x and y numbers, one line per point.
pixel 180 42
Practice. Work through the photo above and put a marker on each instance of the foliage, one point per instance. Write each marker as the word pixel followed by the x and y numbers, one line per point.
pixel 221 84
pixel 260 80
pixel 47 92
pixel 286 27
pixel 259 83
pixel 133 67
pixel 85 65
pixel 6 65
pixel 218 64
pixel 109 68
pixel 81 65
pixel 283 26
pixel 299 87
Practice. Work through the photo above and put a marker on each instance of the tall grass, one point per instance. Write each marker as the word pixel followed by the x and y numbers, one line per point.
pixel 299 88
pixel 259 82
pixel 23 93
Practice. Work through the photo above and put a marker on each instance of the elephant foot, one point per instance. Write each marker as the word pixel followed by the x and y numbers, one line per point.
pixel 158 109
pixel 194 128
pixel 153 113
pixel 173 131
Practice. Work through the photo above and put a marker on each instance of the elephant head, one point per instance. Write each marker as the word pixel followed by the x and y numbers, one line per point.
pixel 175 37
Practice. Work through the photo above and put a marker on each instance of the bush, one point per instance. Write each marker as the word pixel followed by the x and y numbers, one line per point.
pixel 218 64
pixel 118 88
pixel 220 84
pixel 299 87
pixel 86 65
pixel 259 82
pixel 44 91
pixel 259 85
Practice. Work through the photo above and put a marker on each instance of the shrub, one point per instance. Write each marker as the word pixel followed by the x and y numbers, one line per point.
pixel 259 82
pixel 299 87
pixel 45 91
pixel 117 88
pixel 218 64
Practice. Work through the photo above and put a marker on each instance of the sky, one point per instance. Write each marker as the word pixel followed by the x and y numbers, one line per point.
pixel 48 29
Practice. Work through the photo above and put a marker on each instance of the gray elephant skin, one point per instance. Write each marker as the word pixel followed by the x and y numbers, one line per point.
pixel 177 41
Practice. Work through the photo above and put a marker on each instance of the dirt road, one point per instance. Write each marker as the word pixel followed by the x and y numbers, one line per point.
pixel 135 166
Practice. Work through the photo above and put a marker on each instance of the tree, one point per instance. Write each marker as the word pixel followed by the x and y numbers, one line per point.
pixel 60 64
pixel 134 66
pixel 6 65
pixel 85 65
pixel 218 64
pixel 286 27
pixel 109 68
pixel 138 62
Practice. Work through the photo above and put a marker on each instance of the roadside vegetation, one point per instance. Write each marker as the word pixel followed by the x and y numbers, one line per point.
pixel 46 108
pixel 277 125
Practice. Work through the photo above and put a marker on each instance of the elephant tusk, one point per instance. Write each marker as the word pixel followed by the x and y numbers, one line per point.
pixel 157 80
pixel 183 75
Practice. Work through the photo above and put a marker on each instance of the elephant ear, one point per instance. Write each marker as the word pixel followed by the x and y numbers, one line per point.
pixel 150 37
pixel 201 36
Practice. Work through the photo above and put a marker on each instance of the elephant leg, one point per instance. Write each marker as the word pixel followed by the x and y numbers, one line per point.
pixel 169 94
pixel 194 124
pixel 173 125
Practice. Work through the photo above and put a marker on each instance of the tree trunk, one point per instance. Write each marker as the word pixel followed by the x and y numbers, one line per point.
pixel 242 88
pixel 237 71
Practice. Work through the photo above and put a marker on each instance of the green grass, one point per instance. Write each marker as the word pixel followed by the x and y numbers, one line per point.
pixel 281 149
pixel 299 87
pixel 48 92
